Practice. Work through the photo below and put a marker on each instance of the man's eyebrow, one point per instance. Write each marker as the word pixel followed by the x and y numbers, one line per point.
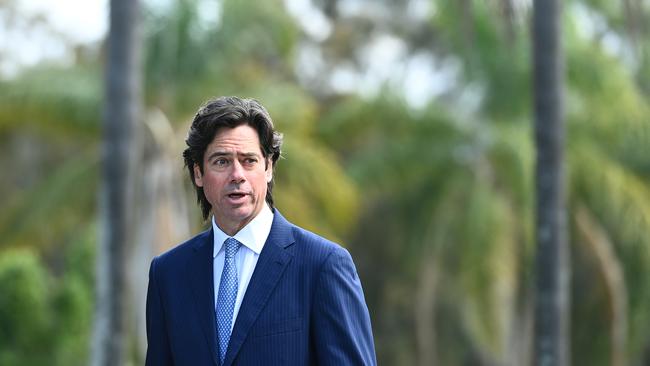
pixel 226 153
pixel 217 154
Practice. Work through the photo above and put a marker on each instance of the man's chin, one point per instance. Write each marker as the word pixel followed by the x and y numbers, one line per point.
pixel 241 214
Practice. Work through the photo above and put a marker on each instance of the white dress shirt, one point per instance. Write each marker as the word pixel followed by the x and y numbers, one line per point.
pixel 252 236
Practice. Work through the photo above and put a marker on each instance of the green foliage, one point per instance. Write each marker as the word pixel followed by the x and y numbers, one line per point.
pixel 189 60
pixel 67 190
pixel 59 101
pixel 622 202
pixel 495 53
pixel 24 320
pixel 45 319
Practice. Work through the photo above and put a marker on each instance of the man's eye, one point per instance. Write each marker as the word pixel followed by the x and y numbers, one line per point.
pixel 220 162
pixel 250 161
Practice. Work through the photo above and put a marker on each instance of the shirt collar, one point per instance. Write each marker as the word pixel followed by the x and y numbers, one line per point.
pixel 253 235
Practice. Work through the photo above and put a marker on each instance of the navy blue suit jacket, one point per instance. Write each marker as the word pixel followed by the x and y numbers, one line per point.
pixel 303 306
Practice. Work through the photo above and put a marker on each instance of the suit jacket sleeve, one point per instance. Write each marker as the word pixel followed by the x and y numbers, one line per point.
pixel 158 349
pixel 341 324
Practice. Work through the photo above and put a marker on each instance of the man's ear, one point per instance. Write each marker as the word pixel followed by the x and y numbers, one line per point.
pixel 198 176
pixel 269 170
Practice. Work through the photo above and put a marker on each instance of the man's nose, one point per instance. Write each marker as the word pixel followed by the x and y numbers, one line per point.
pixel 237 173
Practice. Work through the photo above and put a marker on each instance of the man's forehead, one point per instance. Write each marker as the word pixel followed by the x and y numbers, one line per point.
pixel 221 152
pixel 234 148
pixel 228 147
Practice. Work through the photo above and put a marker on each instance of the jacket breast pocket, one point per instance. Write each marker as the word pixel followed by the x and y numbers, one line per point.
pixel 277 327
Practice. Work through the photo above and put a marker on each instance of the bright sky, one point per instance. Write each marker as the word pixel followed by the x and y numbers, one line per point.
pixel 24 44
pixel 83 21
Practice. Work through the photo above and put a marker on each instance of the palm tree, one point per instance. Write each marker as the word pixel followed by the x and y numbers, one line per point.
pixel 122 113
pixel 552 261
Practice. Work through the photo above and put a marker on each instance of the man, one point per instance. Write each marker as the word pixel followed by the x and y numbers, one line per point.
pixel 254 289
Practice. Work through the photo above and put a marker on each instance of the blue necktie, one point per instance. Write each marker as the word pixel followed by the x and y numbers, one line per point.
pixel 227 296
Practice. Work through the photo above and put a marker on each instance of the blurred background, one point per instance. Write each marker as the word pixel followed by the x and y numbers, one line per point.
pixel 408 138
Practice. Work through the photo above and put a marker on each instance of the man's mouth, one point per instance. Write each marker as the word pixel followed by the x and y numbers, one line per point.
pixel 236 195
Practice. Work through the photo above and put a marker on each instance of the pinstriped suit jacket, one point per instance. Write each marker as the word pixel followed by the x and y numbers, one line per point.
pixel 304 305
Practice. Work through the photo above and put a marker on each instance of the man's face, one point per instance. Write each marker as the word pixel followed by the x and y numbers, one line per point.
pixel 235 177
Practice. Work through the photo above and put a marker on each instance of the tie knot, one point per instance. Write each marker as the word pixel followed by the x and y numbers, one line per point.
pixel 232 245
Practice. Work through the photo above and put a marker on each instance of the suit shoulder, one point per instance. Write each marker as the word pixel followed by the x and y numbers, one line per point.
pixel 316 244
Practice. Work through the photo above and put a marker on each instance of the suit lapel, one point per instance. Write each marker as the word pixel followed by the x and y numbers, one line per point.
pixel 199 269
pixel 270 265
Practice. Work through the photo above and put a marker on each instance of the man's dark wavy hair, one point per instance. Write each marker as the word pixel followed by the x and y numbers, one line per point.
pixel 229 112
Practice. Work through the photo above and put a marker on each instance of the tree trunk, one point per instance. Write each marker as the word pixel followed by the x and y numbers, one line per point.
pixel 122 108
pixel 551 345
